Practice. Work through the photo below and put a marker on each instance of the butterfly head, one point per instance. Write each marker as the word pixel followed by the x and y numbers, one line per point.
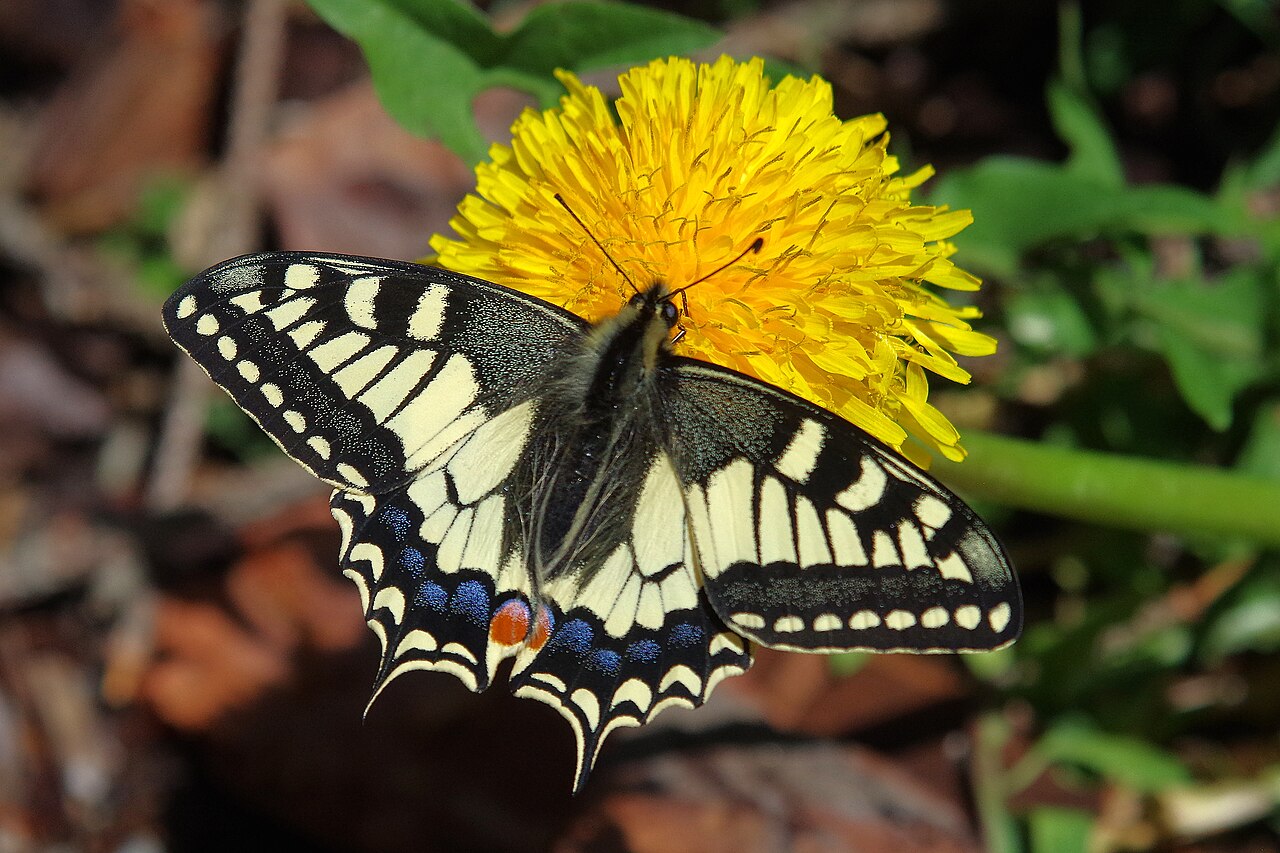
pixel 656 301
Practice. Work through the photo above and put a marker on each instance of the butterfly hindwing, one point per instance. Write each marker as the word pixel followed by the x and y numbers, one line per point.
pixel 812 536
pixel 439 561
pixel 637 635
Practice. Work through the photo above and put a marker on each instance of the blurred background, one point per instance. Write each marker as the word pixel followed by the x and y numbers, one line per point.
pixel 182 667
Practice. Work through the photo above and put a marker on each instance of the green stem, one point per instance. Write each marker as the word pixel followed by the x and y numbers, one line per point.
pixel 1118 491
pixel 990 791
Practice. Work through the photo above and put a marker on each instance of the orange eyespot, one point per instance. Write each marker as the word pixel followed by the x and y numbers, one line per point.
pixel 510 624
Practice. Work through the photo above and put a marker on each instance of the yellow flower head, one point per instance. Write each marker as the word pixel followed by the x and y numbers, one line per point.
pixel 699 161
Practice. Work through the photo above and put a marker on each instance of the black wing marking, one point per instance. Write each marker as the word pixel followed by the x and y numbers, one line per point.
pixel 636 635
pixel 364 370
pixel 813 536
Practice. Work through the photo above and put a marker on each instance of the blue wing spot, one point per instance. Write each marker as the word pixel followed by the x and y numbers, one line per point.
pixel 575 636
pixel 398 520
pixel 644 651
pixel 413 561
pixel 431 595
pixel 472 601
pixel 686 634
pixel 606 661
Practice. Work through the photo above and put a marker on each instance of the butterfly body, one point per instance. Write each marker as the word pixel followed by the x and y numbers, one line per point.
pixel 513 482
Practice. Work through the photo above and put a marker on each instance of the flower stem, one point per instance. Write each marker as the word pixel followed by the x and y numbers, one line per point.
pixel 1119 491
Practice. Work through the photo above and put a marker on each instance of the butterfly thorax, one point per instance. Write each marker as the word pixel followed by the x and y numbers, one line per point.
pixel 593 436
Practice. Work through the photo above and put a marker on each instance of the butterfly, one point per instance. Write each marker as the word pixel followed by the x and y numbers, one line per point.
pixel 512 481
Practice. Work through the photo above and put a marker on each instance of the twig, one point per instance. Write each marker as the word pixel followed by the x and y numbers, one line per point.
pixel 257 77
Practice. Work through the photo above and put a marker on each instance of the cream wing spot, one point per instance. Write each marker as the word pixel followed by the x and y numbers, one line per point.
pixel 589 705
pixel 416 640
pixel 999 617
pixel 227 348
pixel 776 540
pixel 811 535
pixel 320 445
pixel 846 544
pixel 484 544
pixel 351 475
pixel 391 599
pixel 788 624
pixel 867 490
pixel 432 419
pixel 635 691
pixel 750 621
pixel 934 617
pixel 968 616
pixel 679 592
pixel 287 312
pixel 186 307
pixel 914 553
pixel 296 421
pixel 207 325
pixel 650 613
pixel 864 619
pixel 338 351
pixel 827 622
pixel 428 317
pixel 883 552
pixel 271 392
pixel 392 387
pixel 731 520
pixel 801 456
pixel 301 276
pixel 249 303
pixel 932 512
pixel 953 567
pixel 305 334
pixel 681 674
pixel 357 375
pixel 359 300
pixel 899 620
pixel 249 371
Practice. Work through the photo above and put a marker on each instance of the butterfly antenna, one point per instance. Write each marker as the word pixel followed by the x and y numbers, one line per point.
pixel 756 245
pixel 599 245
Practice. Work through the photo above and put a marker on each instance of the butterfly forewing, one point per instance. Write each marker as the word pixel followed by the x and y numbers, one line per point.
pixel 812 536
pixel 363 370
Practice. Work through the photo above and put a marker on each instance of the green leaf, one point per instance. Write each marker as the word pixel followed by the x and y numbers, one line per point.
pixel 1124 760
pixel 1019 204
pixel 1093 156
pixel 1212 335
pixel 1261 452
pixel 1050 320
pixel 430 58
pixel 580 36
pixel 1059 830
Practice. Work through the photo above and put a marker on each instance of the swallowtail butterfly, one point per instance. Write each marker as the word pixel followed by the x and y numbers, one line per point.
pixel 512 481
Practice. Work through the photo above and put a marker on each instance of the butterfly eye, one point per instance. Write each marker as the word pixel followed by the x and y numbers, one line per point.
pixel 670 313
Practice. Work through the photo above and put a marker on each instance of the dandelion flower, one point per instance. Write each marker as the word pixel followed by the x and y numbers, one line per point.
pixel 679 175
